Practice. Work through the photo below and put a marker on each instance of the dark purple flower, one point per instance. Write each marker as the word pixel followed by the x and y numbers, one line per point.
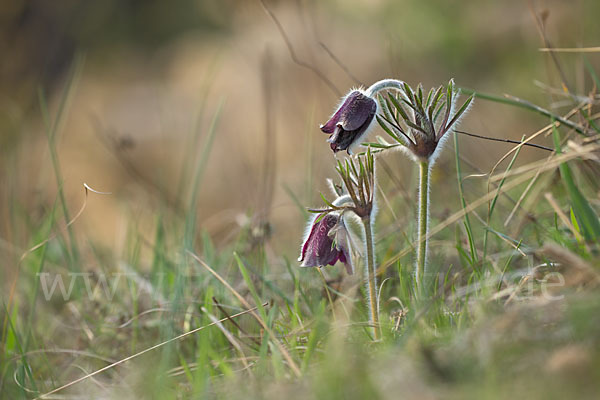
pixel 348 125
pixel 326 243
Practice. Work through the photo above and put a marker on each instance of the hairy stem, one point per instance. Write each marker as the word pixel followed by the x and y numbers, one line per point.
pixel 371 279
pixel 384 84
pixel 423 222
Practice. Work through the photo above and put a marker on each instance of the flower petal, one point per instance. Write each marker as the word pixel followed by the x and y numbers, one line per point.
pixel 343 244
pixel 356 111
pixel 329 126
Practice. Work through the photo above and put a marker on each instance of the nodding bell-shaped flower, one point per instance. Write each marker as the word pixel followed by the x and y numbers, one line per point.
pixel 328 237
pixel 351 121
pixel 326 242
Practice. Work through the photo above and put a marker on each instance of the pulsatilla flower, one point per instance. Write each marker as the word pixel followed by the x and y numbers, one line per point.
pixel 351 121
pixel 327 242
pixel 328 237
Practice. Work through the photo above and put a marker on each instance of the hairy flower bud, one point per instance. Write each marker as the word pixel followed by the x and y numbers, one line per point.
pixel 351 121
pixel 326 243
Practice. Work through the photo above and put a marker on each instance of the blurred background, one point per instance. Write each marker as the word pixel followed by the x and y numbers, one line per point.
pixel 167 96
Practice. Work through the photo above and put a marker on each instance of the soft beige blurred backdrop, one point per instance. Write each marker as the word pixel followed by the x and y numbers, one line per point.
pixel 149 82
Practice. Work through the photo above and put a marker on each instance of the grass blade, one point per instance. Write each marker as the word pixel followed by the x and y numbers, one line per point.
pixel 585 215
pixel 516 102
pixel 463 202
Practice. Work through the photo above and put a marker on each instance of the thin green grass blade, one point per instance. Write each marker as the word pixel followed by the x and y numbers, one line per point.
pixel 463 202
pixel 297 285
pixel 516 102
pixel 492 205
pixel 270 285
pixel 25 365
pixel 29 328
pixel 584 213
pixel 510 165
pixel 295 200
pixel 506 265
pixel 187 162
pixel 312 340
pixel 591 71
pixel 190 225
pixel 52 128
pixel 526 248
pixel 250 284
